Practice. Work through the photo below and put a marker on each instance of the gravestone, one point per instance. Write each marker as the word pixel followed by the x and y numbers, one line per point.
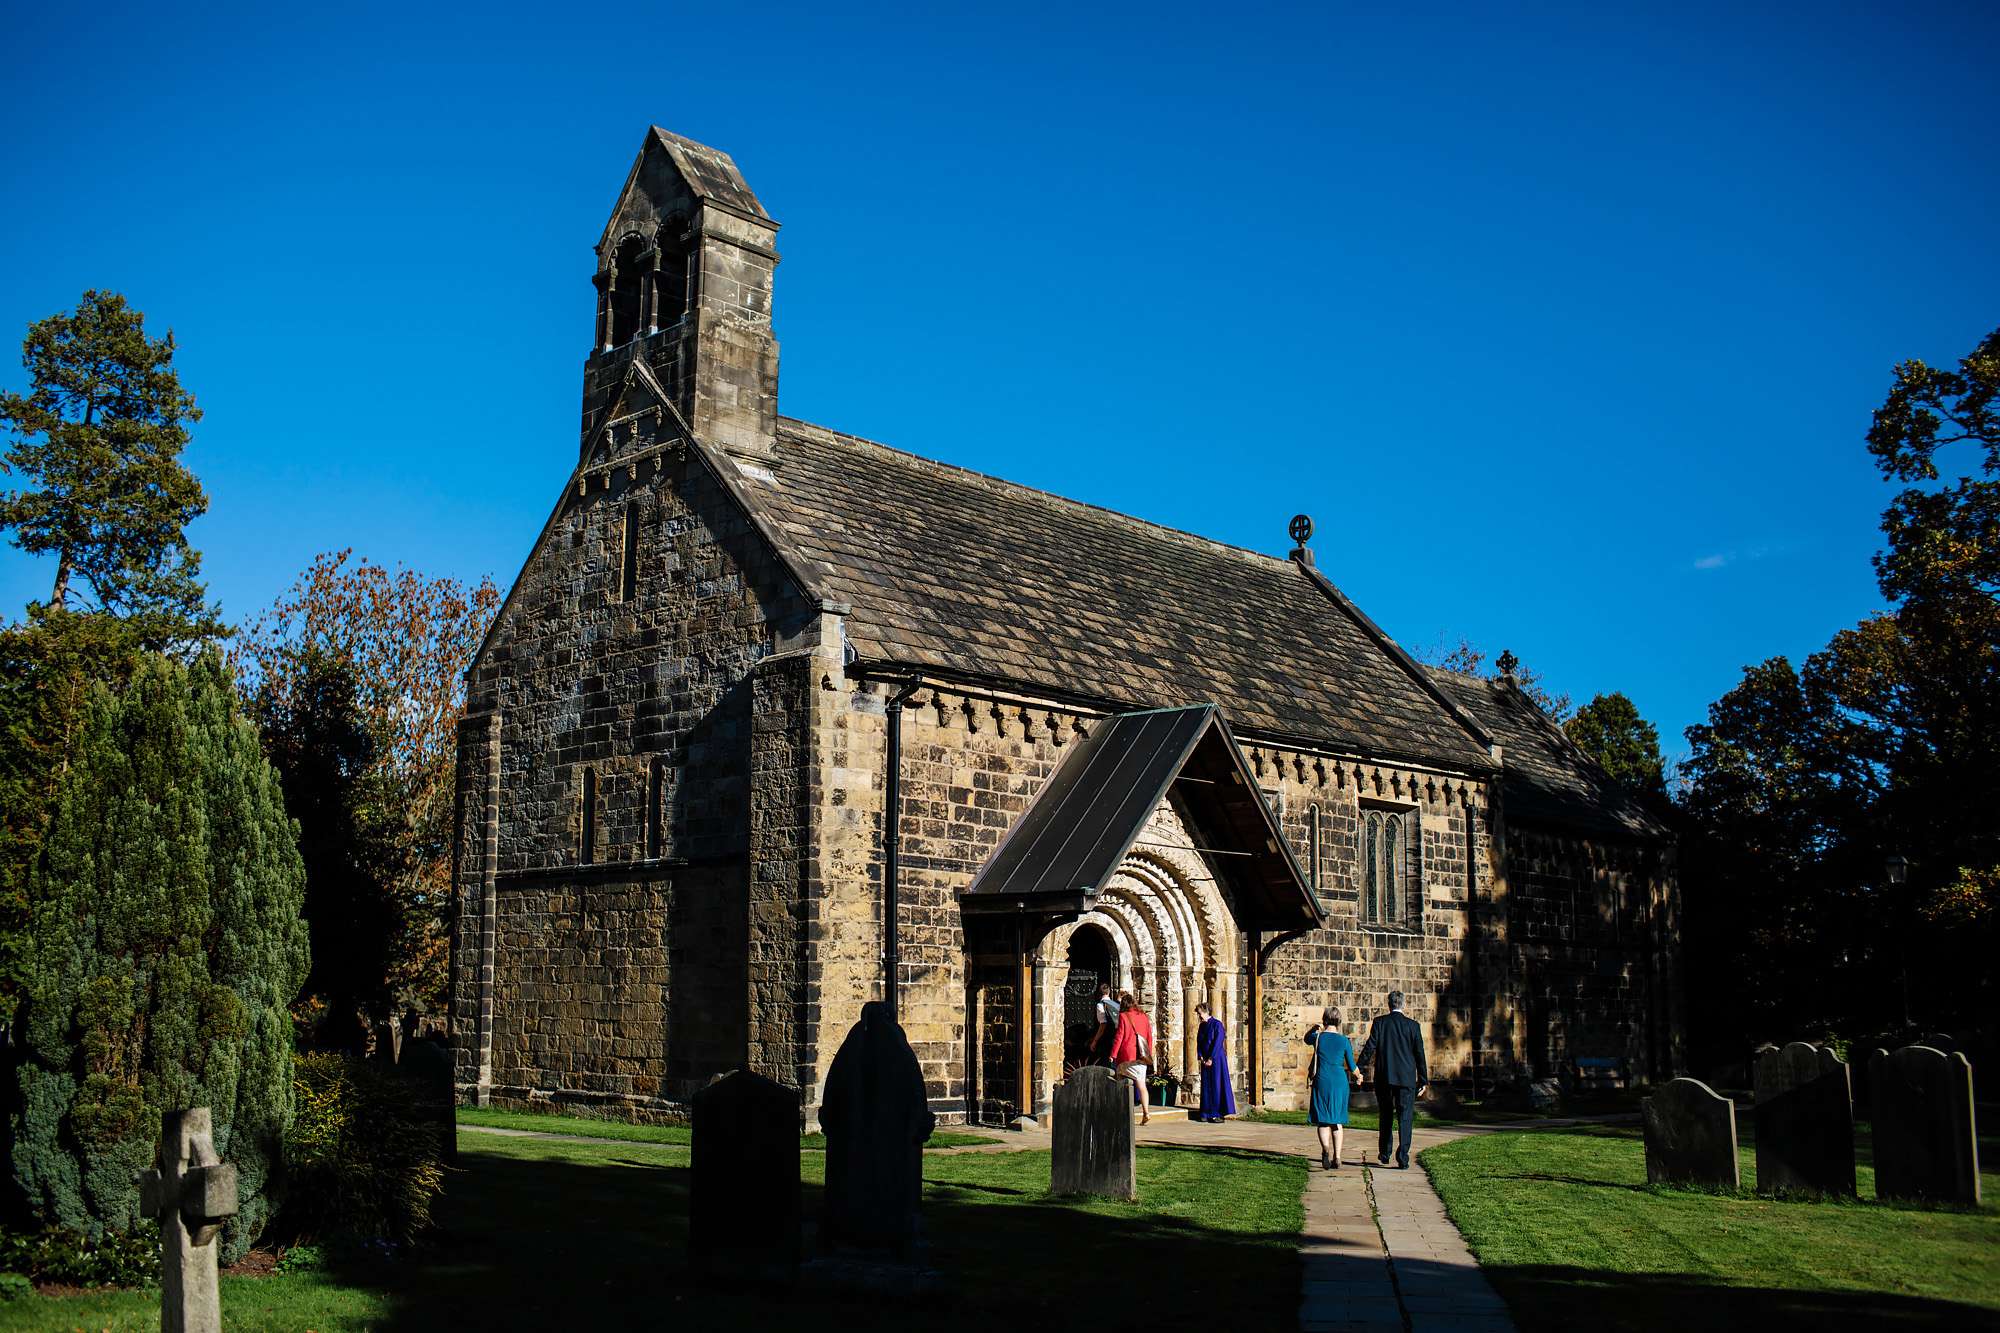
pixel 1805 1121
pixel 876 1120
pixel 1926 1141
pixel 1092 1148
pixel 743 1194
pixel 192 1192
pixel 1544 1094
pixel 1691 1136
pixel 1862 1072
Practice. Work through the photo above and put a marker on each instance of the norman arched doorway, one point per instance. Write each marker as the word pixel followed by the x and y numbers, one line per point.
pixel 1091 963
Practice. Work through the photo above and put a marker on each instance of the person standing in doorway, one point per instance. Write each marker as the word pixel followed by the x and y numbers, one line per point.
pixel 1333 1067
pixel 1211 1047
pixel 1107 1025
pixel 1394 1056
pixel 1132 1049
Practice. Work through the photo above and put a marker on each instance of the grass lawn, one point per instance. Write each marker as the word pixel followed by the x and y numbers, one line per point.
pixel 587 1127
pixel 544 1233
pixel 1570 1233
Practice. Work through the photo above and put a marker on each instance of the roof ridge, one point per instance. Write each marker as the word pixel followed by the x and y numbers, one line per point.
pixel 1472 677
pixel 1228 548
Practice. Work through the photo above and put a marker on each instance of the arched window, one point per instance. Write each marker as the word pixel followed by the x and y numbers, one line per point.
pixel 1312 844
pixel 1371 897
pixel 656 781
pixel 670 286
pixel 628 551
pixel 1392 866
pixel 628 291
pixel 1389 866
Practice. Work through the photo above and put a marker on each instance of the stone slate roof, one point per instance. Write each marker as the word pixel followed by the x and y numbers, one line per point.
pixel 711 173
pixel 953 570
pixel 1545 777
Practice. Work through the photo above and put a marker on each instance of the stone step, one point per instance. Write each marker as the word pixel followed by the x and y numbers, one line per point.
pixel 1047 1119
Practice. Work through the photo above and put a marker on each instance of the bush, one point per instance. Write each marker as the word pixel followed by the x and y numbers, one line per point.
pixel 164 946
pixel 57 1254
pixel 364 1159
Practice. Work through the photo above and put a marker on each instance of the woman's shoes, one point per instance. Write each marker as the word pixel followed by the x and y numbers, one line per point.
pixel 1325 1161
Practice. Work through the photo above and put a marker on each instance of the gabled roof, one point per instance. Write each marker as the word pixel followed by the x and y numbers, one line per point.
pixel 711 173
pixel 1544 777
pixel 1069 842
pixel 950 570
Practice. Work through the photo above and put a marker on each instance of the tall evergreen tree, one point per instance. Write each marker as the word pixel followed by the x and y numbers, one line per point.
pixel 98 437
pixel 1624 744
pixel 165 944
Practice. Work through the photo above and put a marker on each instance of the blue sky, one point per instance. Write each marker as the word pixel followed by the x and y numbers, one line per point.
pixel 1564 325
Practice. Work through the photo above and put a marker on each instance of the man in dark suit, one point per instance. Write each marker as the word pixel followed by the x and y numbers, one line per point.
pixel 1394 1056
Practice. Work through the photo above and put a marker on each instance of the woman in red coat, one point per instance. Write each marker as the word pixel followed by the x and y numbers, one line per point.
pixel 1132 1049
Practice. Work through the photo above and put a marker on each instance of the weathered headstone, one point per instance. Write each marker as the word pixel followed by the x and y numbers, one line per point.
pixel 1092 1147
pixel 1805 1121
pixel 192 1192
pixel 1926 1141
pixel 1862 1072
pixel 743 1195
pixel 876 1120
pixel 1691 1136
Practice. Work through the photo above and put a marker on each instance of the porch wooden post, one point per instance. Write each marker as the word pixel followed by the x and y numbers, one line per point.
pixel 1027 1022
pixel 1254 1065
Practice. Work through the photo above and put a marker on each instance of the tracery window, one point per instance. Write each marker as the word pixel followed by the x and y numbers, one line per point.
pixel 1390 866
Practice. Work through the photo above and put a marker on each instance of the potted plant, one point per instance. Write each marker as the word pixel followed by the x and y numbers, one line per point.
pixel 1160 1090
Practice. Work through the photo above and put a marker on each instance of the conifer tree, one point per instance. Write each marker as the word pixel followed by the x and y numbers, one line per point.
pixel 165 945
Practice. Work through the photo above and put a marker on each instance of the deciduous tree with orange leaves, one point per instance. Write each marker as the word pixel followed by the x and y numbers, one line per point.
pixel 403 641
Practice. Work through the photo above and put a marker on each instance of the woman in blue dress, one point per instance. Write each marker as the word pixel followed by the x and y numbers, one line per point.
pixel 1332 1065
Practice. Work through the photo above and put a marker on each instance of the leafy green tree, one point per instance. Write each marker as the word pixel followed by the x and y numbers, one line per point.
pixel 1625 745
pixel 406 641
pixel 165 945
pixel 98 438
pixel 317 736
pixel 47 665
pixel 1886 743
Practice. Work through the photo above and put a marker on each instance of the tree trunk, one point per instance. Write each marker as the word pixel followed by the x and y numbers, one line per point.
pixel 61 593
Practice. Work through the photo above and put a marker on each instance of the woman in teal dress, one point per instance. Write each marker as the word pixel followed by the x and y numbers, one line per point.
pixel 1332 1065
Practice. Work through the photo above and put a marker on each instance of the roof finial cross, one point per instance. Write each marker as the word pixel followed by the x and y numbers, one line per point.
pixel 1301 529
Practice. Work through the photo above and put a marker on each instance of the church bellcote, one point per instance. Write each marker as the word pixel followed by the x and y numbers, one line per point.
pixel 683 282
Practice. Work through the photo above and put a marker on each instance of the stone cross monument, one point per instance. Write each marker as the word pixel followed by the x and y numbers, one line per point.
pixel 192 1192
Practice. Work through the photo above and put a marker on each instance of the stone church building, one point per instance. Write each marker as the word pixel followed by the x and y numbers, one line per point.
pixel 777 720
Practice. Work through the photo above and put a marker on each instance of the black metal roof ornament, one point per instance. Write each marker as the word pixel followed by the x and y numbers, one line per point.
pixel 1301 529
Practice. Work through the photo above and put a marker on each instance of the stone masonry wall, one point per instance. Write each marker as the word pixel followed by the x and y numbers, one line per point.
pixel 1595 952
pixel 1352 963
pixel 623 979
pixel 972 764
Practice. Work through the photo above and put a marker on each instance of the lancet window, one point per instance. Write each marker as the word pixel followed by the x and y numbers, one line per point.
pixel 1391 866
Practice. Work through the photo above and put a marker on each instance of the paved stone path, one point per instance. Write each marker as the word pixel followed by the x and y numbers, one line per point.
pixel 1380 1256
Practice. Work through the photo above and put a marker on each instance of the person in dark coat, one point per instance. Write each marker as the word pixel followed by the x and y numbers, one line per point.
pixel 1394 1057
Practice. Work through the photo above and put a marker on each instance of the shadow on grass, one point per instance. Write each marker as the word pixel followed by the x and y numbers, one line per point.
pixel 539 1242
pixel 1555 1300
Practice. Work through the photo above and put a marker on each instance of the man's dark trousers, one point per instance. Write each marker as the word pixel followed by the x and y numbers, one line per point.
pixel 1393 1104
